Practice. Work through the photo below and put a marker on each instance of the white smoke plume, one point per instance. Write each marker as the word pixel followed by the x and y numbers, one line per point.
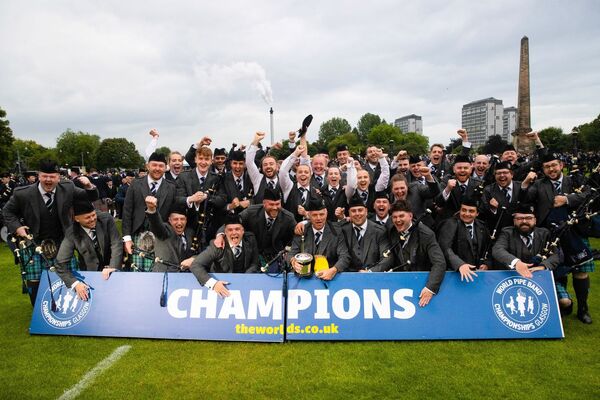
pixel 227 78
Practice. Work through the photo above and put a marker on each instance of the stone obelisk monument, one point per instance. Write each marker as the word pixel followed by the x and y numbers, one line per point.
pixel 520 140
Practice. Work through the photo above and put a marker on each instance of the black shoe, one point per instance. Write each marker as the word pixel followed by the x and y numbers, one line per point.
pixel 584 316
pixel 567 310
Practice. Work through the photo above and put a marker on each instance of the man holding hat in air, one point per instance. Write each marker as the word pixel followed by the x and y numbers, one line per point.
pixel 173 238
pixel 95 237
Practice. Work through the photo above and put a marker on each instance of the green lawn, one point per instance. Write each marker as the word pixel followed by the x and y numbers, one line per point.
pixel 45 366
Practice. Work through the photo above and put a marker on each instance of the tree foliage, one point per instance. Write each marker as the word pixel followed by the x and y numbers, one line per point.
pixel 6 142
pixel 588 135
pixel 30 153
pixel 413 143
pixel 367 122
pixel 164 150
pixel 329 130
pixel 355 145
pixel 554 139
pixel 118 153
pixel 493 145
pixel 72 146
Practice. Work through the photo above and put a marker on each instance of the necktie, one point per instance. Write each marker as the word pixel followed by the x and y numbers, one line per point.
pixel 271 184
pixel 318 238
pixel 302 194
pixel 182 245
pixel 319 180
pixel 470 231
pixel 381 222
pixel 557 187
pixel 332 192
pixel 49 200
pixel 463 188
pixel 528 241
pixel 153 188
pixel 506 194
pixel 422 181
pixel 237 251
pixel 270 223
pixel 238 183
pixel 364 196
pixel 202 179
pixel 94 238
pixel 357 231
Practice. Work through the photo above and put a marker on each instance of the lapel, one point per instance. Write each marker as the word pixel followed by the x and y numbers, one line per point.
pixel 325 239
pixel 548 190
pixel 101 236
pixel 36 207
pixel 368 238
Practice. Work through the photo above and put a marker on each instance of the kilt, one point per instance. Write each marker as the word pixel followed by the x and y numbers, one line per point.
pixel 140 264
pixel 33 264
pixel 589 266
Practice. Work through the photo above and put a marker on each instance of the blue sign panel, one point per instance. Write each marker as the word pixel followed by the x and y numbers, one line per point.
pixel 128 305
pixel 354 306
pixel 385 306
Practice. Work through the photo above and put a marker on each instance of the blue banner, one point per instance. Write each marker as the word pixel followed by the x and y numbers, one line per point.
pixel 128 305
pixel 385 306
pixel 354 306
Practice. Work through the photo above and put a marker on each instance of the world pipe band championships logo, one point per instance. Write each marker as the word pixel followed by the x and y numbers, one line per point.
pixel 520 304
pixel 70 309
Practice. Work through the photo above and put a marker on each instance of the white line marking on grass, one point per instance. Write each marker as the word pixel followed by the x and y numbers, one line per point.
pixel 94 372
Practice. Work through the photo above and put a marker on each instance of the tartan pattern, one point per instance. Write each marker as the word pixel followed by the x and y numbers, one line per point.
pixel 33 265
pixel 561 291
pixel 588 266
pixel 141 264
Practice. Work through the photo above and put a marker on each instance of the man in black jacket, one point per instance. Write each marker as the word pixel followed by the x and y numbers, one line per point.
pixel 240 255
pixel 464 240
pixel 95 237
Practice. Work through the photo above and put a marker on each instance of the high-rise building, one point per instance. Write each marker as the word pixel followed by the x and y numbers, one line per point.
pixel 410 123
pixel 482 119
pixel 509 123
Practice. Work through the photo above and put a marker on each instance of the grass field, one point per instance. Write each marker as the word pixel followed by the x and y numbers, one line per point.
pixel 41 367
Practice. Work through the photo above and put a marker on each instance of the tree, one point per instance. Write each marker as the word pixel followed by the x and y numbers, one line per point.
pixel 329 130
pixel 77 148
pixel 355 145
pixel 164 150
pixel 29 152
pixel 367 122
pixel 555 140
pixel 6 142
pixel 393 140
pixel 455 143
pixel 118 153
pixel 588 135
pixel 413 143
pixel 494 145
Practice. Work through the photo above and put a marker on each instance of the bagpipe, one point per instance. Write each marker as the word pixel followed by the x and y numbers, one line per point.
pixel 279 258
pixel 25 249
pixel 486 251
pixel 147 246
pixel 199 240
pixel 403 237
pixel 566 241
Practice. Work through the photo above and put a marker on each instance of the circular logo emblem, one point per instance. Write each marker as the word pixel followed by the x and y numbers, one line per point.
pixel 520 304
pixel 70 309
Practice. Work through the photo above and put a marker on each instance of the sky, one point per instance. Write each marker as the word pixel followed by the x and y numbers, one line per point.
pixel 196 68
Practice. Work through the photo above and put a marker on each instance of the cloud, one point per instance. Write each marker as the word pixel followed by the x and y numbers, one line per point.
pixel 118 69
